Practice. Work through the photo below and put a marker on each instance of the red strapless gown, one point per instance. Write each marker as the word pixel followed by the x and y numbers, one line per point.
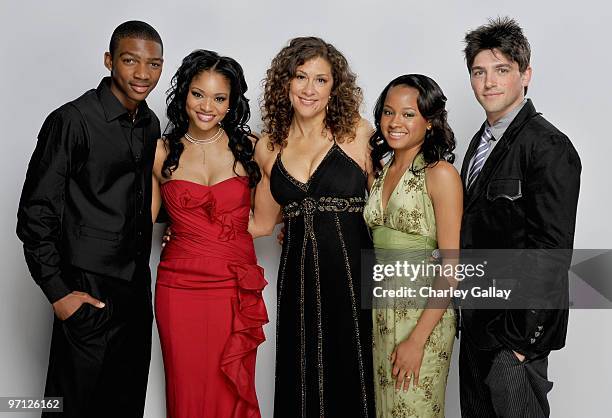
pixel 208 302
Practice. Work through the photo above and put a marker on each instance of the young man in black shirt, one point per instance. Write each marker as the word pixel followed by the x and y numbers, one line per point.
pixel 85 221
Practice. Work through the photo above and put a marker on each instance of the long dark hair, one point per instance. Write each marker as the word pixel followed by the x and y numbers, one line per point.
pixel 439 140
pixel 234 122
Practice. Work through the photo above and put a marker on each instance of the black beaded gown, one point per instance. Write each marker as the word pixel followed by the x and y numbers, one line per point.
pixel 324 341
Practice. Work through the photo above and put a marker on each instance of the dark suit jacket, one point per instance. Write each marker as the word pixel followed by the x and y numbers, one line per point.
pixel 524 198
pixel 87 195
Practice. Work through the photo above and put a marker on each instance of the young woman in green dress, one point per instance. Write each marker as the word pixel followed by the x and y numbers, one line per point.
pixel 415 203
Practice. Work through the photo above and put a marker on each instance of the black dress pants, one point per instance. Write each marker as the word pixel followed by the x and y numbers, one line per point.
pixel 99 360
pixel 495 383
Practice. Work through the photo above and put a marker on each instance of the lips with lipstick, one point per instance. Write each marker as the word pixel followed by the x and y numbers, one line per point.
pixel 396 134
pixel 307 102
pixel 203 117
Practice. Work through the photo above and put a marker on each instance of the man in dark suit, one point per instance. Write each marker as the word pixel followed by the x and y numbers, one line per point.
pixel 85 221
pixel 521 177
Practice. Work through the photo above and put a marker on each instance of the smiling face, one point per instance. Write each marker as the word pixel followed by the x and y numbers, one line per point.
pixel 207 103
pixel 135 70
pixel 311 87
pixel 401 122
pixel 497 83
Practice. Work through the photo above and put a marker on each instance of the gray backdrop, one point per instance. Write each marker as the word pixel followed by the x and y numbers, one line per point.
pixel 52 52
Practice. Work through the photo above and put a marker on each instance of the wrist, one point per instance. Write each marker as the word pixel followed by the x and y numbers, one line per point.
pixel 418 338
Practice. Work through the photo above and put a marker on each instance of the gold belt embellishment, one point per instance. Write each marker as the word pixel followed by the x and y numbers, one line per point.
pixel 309 206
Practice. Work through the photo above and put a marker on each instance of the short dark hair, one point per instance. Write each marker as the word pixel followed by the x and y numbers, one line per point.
pixel 503 34
pixel 133 29
pixel 439 140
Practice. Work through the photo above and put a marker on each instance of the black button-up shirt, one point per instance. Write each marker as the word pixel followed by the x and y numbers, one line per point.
pixel 87 195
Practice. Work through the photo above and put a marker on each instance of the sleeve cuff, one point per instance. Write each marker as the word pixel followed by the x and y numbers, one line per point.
pixel 54 289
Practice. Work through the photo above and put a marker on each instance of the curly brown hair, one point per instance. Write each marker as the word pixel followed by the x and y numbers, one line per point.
pixel 342 114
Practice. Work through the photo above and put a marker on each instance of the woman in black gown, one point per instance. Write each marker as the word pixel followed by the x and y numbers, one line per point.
pixel 314 158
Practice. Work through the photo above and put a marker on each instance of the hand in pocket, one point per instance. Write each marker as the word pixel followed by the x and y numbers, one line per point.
pixel 69 304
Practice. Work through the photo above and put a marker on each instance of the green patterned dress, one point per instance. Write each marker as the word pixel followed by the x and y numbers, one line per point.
pixel 408 223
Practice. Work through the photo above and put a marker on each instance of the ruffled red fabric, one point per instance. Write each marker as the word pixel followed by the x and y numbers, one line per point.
pixel 206 201
pixel 250 316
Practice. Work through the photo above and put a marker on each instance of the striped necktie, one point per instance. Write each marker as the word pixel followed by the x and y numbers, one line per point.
pixel 480 156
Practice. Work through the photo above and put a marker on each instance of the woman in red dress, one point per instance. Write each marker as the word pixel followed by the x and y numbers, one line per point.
pixel 208 302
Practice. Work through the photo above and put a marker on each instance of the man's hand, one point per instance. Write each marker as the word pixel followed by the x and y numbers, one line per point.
pixel 68 305
pixel 519 356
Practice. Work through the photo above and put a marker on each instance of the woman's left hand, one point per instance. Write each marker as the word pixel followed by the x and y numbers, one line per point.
pixel 406 360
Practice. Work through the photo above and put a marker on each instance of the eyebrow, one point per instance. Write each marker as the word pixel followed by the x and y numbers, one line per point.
pixel 317 75
pixel 139 57
pixel 479 67
pixel 216 94
pixel 403 108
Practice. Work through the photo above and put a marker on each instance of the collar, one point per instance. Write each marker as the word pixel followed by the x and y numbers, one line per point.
pixel 499 127
pixel 113 109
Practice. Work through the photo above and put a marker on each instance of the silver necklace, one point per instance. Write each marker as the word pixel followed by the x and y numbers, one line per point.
pixel 210 140
pixel 206 141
